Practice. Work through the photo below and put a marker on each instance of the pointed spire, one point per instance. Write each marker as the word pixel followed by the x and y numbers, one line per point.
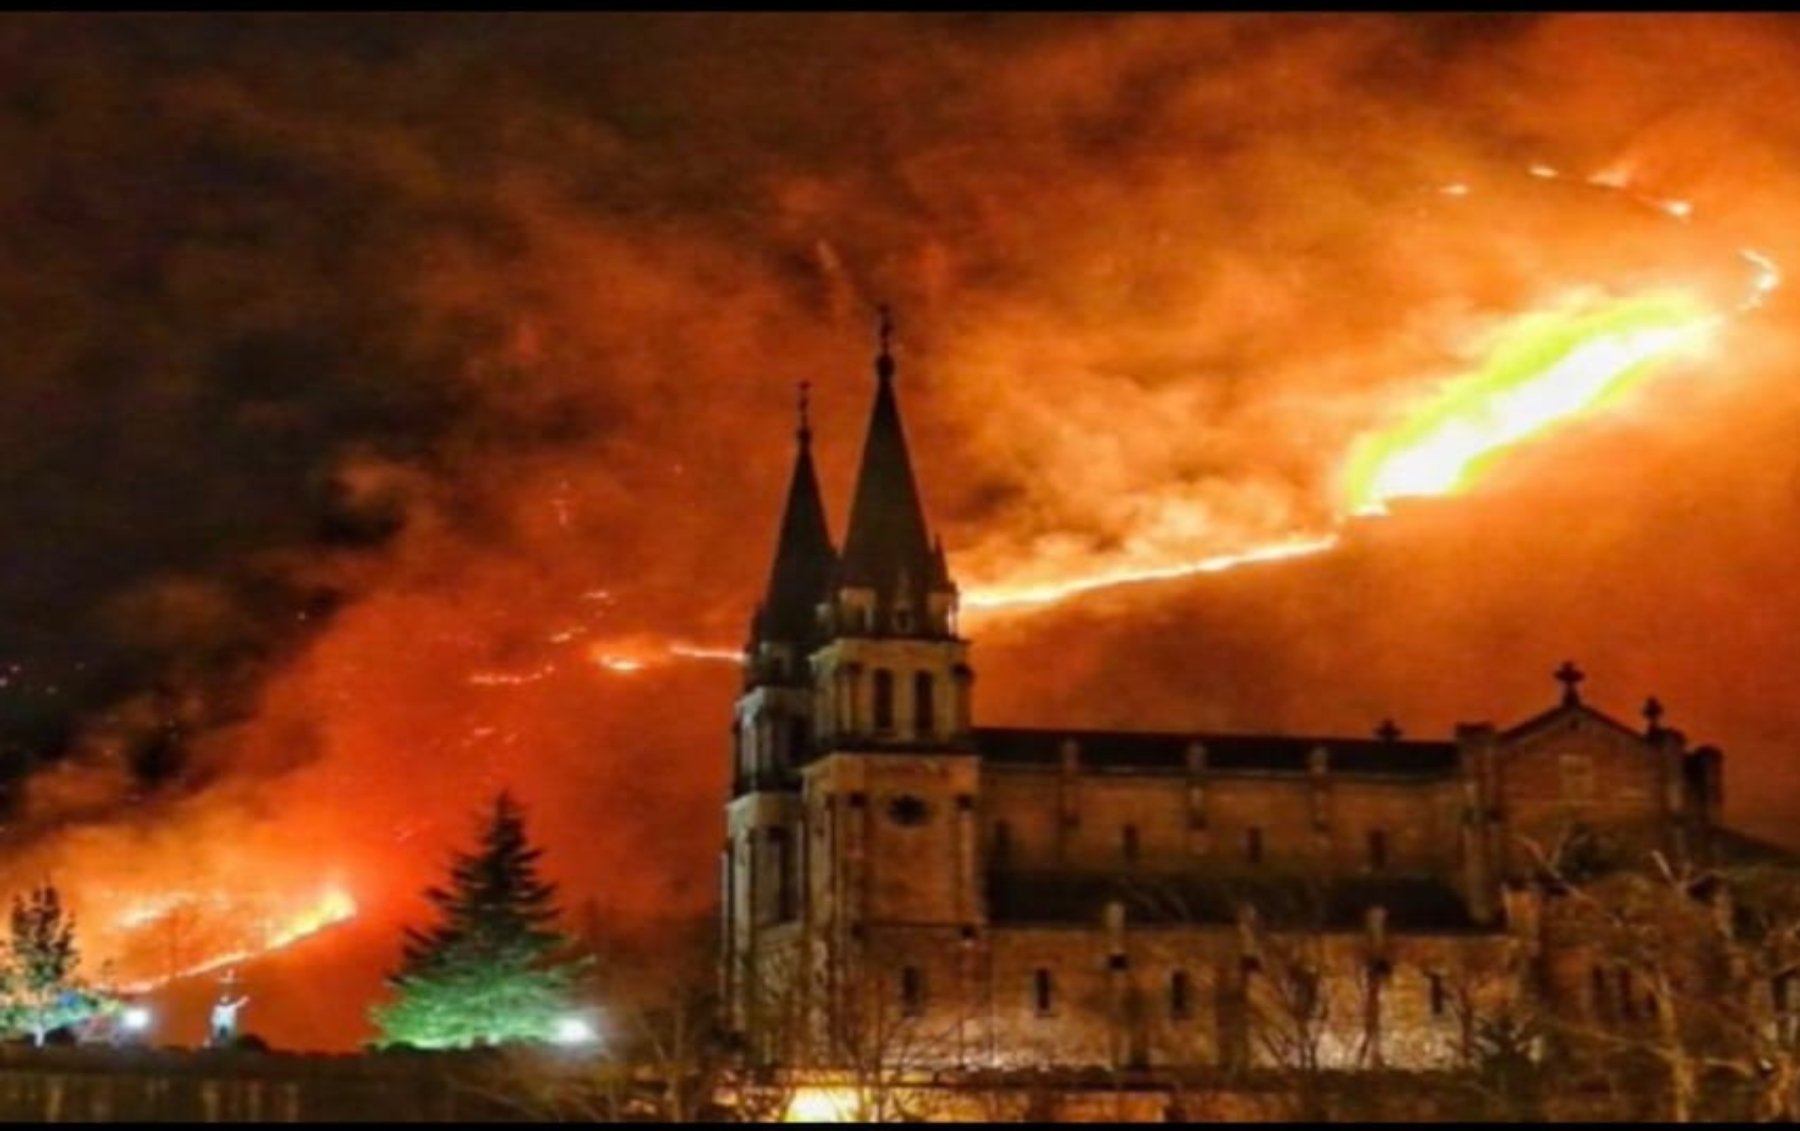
pixel 884 360
pixel 887 544
pixel 804 559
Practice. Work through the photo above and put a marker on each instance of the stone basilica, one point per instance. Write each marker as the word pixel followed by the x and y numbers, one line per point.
pixel 900 882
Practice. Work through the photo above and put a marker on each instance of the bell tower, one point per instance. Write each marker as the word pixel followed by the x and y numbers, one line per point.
pixel 763 877
pixel 891 796
pixel 890 672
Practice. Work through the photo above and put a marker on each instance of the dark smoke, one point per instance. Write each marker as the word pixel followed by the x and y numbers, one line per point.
pixel 366 376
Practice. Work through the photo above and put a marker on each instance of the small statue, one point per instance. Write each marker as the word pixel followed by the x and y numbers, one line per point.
pixel 224 1019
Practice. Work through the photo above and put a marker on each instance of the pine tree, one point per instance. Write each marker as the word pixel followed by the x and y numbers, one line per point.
pixel 40 988
pixel 493 969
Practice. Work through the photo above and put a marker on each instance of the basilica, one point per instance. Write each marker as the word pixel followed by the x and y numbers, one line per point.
pixel 900 882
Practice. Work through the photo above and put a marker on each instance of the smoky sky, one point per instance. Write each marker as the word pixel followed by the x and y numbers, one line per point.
pixel 368 378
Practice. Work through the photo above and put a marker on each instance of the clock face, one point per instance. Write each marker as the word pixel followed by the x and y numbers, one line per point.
pixel 908 810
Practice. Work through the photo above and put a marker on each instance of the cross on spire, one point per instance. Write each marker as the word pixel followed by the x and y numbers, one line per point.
pixel 884 362
pixel 1388 731
pixel 1653 713
pixel 1570 677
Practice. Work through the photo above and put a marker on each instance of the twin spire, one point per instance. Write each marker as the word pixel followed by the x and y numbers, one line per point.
pixel 888 549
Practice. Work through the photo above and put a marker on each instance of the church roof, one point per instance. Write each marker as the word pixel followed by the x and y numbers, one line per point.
pixel 1543 719
pixel 1151 750
pixel 1281 902
pixel 804 558
pixel 887 540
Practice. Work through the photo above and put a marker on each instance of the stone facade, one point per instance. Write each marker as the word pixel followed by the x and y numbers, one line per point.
pixel 902 887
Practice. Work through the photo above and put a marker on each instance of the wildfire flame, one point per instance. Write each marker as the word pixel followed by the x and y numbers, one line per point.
pixel 226 931
pixel 1544 369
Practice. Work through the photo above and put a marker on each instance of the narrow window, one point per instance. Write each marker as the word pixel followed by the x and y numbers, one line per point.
pixel 1128 841
pixel 1180 995
pixel 1378 849
pixel 1440 1001
pixel 783 866
pixel 1253 846
pixel 1043 991
pixel 912 991
pixel 1307 1001
pixel 1597 987
pixel 924 704
pixel 1625 1002
pixel 884 699
pixel 1001 851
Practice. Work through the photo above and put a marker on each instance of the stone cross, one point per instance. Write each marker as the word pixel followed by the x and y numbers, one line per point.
pixel 1653 713
pixel 1570 677
pixel 1388 731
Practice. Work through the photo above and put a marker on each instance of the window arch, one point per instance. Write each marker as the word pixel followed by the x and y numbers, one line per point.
pixel 924 703
pixel 884 699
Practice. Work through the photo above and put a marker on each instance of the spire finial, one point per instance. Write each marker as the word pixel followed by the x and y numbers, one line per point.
pixel 884 361
pixel 805 407
pixel 1388 731
pixel 1570 677
pixel 1653 713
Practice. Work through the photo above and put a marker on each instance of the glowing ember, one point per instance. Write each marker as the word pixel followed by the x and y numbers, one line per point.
pixel 622 664
pixel 1543 370
pixel 1768 277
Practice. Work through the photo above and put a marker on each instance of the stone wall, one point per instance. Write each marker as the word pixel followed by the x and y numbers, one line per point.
pixel 66 1085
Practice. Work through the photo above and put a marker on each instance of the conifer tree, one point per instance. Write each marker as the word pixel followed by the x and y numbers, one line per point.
pixel 492 969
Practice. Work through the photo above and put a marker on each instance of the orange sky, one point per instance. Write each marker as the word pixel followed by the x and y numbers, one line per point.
pixel 1154 276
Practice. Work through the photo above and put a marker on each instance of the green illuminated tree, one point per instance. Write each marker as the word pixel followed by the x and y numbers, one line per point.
pixel 39 985
pixel 492 970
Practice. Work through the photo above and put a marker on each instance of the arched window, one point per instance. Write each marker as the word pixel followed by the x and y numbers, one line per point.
pixel 884 699
pixel 1128 842
pixel 1181 995
pixel 1253 845
pixel 912 991
pixel 1378 850
pixel 924 703
pixel 1043 992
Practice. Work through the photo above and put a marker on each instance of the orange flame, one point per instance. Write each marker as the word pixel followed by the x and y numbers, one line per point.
pixel 232 931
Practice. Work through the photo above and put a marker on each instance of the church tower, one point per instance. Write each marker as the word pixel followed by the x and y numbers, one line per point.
pixel 772 735
pixel 890 796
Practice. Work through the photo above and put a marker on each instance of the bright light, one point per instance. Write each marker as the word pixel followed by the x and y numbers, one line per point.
pixel 822 1105
pixel 574 1031
pixel 135 1018
pixel 1545 368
